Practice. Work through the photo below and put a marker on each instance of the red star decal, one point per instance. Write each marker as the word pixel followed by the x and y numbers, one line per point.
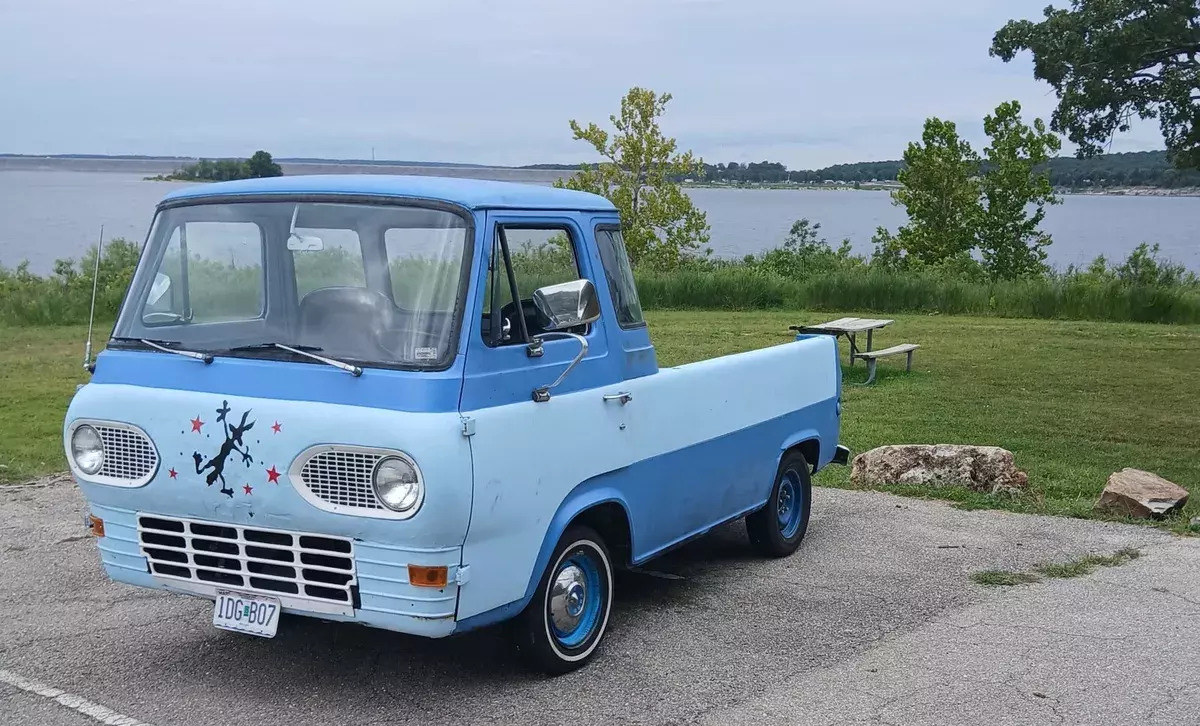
pixel 272 476
pixel 172 473
pixel 277 427
pixel 196 424
pixel 247 488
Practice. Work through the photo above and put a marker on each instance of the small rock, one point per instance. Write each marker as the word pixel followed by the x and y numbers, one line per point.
pixel 1140 494
pixel 1195 523
pixel 980 468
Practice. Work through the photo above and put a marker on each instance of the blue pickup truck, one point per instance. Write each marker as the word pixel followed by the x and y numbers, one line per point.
pixel 426 405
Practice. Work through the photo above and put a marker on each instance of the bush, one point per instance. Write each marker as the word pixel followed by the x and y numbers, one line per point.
pixel 805 273
pixel 65 296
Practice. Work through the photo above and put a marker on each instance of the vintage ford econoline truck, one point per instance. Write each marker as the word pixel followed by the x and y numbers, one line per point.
pixel 425 405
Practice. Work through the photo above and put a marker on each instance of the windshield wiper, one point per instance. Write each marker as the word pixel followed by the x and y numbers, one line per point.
pixel 308 351
pixel 261 346
pixel 162 345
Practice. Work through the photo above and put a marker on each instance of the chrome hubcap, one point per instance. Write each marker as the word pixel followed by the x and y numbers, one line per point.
pixel 568 597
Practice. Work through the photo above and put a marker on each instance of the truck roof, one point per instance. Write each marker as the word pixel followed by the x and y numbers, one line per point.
pixel 469 193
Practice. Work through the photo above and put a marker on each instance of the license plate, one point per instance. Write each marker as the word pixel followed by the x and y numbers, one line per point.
pixel 246 613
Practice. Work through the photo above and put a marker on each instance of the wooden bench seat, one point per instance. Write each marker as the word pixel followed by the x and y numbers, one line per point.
pixel 872 357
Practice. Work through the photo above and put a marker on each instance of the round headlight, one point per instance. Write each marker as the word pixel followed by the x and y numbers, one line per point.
pixel 397 484
pixel 87 449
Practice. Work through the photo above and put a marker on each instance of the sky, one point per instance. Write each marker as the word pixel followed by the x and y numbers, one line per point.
pixel 806 82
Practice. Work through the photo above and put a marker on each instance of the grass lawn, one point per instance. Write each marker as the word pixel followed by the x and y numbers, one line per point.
pixel 1074 401
pixel 39 368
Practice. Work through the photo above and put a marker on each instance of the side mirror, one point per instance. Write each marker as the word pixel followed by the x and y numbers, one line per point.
pixel 567 304
pixel 560 307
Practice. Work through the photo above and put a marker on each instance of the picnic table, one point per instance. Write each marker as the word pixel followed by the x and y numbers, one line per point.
pixel 851 327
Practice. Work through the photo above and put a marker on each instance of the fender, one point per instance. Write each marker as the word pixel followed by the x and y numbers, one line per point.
pixel 801 437
pixel 583 497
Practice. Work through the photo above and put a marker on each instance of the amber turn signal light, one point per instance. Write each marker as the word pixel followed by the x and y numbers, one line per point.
pixel 95 524
pixel 423 576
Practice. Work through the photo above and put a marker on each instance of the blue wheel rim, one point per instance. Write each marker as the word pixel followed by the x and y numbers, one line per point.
pixel 790 504
pixel 587 608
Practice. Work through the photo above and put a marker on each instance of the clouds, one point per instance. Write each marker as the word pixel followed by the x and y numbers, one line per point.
pixel 808 83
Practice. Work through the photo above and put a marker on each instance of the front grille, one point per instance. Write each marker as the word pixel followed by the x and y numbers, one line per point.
pixel 268 561
pixel 343 477
pixel 128 454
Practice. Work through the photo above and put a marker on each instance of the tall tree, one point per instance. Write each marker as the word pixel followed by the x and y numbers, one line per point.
pixel 1010 238
pixel 940 192
pixel 1112 60
pixel 660 223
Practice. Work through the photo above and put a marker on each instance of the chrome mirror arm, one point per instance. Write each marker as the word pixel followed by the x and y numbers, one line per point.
pixel 541 395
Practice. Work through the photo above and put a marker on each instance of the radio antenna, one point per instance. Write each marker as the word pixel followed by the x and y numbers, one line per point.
pixel 87 351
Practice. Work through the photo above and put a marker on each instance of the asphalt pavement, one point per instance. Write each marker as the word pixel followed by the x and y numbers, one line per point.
pixel 873 621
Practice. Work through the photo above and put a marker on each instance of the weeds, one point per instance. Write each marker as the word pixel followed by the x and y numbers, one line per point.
pixel 803 274
pixel 1003 578
pixel 1086 565
pixel 1055 570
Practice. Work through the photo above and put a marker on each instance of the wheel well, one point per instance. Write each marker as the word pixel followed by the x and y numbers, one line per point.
pixel 810 449
pixel 612 523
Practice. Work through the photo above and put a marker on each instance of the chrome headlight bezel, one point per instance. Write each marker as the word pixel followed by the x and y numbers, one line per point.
pixel 399 464
pixel 152 458
pixel 93 447
pixel 343 496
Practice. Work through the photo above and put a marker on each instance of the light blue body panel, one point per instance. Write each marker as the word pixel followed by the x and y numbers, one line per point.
pixel 384 548
pixel 695 446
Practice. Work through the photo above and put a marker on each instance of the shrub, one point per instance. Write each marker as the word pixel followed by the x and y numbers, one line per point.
pixel 805 273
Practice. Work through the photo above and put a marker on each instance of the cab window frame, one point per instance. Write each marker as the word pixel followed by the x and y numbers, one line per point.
pixel 611 227
pixel 264 293
pixel 500 251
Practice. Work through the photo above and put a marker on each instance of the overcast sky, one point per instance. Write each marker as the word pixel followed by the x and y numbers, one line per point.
pixel 806 82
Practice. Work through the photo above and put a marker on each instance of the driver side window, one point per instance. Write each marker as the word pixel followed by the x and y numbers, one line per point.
pixel 540 256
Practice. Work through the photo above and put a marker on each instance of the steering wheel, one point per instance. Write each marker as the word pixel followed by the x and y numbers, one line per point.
pixel 508 315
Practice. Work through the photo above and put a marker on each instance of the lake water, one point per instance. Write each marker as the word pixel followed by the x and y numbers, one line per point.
pixel 48 214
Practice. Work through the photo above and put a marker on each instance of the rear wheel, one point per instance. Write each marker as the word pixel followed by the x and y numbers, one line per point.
pixel 777 529
pixel 561 627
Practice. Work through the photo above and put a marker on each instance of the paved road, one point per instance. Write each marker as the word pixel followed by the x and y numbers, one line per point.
pixel 873 621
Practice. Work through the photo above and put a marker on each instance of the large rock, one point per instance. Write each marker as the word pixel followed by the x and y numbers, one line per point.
pixel 980 468
pixel 1140 494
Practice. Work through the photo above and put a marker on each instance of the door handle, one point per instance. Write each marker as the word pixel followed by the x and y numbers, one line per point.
pixel 623 397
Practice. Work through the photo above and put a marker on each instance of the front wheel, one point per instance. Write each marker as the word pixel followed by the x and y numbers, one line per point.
pixel 777 528
pixel 564 622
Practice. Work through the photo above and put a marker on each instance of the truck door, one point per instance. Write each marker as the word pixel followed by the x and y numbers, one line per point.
pixel 527 455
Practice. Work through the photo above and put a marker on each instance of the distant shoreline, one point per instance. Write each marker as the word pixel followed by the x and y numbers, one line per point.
pixel 162 169
pixel 878 187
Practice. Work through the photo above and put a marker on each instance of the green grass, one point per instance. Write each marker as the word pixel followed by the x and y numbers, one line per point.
pixel 1074 401
pixel 866 289
pixel 1057 570
pixel 39 369
pixel 811 277
pixel 1086 565
pixel 1003 578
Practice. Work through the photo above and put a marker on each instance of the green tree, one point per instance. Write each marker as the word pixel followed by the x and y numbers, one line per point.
pixel 1009 237
pixel 261 164
pixel 1112 60
pixel 940 192
pixel 660 223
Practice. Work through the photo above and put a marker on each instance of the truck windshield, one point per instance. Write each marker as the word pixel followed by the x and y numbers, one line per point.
pixel 370 283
